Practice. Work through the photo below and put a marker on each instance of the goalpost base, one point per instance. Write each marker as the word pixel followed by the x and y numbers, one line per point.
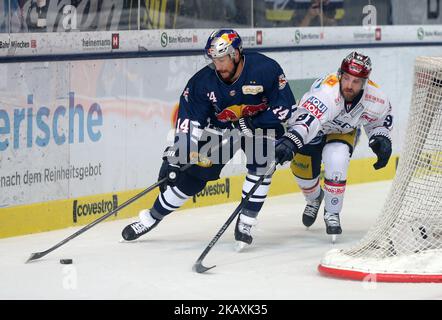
pixel 378 277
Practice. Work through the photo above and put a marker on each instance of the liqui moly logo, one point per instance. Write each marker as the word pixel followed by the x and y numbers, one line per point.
pixel 315 106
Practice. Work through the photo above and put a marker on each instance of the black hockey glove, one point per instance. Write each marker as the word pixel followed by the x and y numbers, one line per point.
pixel 246 126
pixel 168 170
pixel 287 147
pixel 381 146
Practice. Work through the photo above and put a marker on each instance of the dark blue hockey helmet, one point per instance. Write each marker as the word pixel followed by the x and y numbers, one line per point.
pixel 223 42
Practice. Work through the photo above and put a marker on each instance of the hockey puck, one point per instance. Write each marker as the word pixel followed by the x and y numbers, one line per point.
pixel 66 261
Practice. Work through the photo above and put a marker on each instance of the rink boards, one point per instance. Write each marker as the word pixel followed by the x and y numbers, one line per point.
pixel 52 215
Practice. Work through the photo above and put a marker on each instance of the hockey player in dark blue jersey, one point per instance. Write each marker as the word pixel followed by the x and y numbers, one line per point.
pixel 246 91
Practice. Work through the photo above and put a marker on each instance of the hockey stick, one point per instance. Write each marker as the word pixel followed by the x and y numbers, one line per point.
pixel 38 255
pixel 198 265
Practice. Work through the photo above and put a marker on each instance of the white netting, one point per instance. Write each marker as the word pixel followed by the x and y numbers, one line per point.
pixel 407 236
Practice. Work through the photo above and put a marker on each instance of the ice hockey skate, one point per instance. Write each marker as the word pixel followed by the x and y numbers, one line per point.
pixel 138 228
pixel 333 225
pixel 243 234
pixel 311 210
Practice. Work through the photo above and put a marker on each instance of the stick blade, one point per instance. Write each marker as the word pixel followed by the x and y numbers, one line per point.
pixel 35 256
pixel 199 268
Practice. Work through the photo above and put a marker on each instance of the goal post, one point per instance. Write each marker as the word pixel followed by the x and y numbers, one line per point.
pixel 405 243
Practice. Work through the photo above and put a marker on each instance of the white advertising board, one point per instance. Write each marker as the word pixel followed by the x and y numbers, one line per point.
pixel 154 41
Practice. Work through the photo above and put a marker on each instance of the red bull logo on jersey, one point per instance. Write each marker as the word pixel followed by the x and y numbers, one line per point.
pixel 236 111
pixel 315 106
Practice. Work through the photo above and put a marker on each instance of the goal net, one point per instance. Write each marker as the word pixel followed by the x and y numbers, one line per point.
pixel 405 243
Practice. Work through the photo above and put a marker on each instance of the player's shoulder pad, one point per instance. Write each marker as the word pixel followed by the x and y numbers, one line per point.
pixel 268 72
pixel 197 87
pixel 267 65
pixel 199 81
pixel 331 80
pixel 256 57
pixel 202 75
pixel 328 84
pixel 375 99
pixel 326 87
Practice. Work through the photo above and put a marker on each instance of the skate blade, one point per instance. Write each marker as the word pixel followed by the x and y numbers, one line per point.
pixel 239 246
pixel 334 238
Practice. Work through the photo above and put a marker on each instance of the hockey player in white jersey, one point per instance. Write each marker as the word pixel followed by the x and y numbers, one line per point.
pixel 325 127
